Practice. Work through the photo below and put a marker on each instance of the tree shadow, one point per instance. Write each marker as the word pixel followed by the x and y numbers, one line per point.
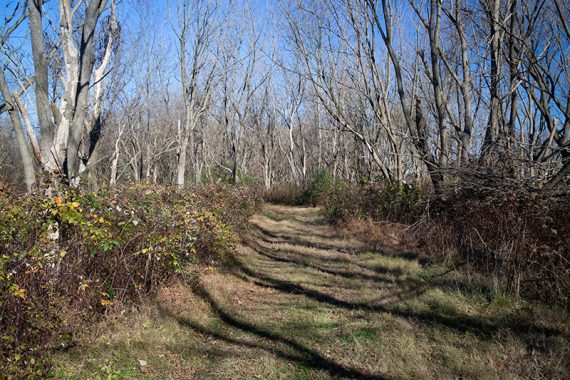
pixel 289 259
pixel 412 288
pixel 305 259
pixel 315 222
pixel 271 237
pixel 300 354
pixel 382 273
pixel 461 323
pixel 396 284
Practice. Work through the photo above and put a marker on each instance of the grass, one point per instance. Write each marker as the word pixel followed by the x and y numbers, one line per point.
pixel 302 303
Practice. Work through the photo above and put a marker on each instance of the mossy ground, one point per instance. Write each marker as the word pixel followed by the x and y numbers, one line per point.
pixel 303 303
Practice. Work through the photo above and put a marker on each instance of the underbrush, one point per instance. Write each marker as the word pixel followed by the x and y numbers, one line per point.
pixel 70 258
pixel 518 237
pixel 288 195
pixel 341 200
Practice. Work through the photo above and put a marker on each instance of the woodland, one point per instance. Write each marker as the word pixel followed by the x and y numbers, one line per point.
pixel 284 189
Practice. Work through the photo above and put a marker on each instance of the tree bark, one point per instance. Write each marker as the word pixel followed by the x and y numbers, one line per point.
pixel 43 109
pixel 86 60
pixel 25 154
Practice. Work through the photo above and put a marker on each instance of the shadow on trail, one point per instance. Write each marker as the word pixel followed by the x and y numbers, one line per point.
pixel 326 280
pixel 323 269
pixel 407 288
pixel 300 354
pixel 382 274
pixel 274 237
pixel 461 323
pixel 271 237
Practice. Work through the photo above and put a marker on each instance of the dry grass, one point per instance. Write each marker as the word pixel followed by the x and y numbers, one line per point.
pixel 305 302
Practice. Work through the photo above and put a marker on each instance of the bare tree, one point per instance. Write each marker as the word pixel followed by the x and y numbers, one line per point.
pixel 63 127
pixel 197 28
pixel 241 78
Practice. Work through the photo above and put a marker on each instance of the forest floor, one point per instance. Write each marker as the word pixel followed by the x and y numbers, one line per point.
pixel 303 302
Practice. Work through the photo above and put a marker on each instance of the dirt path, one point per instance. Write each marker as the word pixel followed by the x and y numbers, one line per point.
pixel 302 303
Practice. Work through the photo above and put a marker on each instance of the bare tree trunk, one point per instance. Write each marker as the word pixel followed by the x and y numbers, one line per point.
pixel 493 10
pixel 25 154
pixel 385 28
pixel 86 57
pixel 465 134
pixel 115 159
pixel 43 109
pixel 434 30
pixel 29 129
pixel 198 17
pixel 514 76
pixel 320 138
pixel 291 157
pixel 181 156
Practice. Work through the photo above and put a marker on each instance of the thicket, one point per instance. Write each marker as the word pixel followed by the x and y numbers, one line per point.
pixel 503 228
pixel 506 229
pixel 69 258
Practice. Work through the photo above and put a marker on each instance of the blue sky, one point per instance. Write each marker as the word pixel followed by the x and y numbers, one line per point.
pixel 262 10
pixel 129 18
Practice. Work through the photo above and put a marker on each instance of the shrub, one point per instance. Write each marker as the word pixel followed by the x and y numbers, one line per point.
pixel 516 235
pixel 287 195
pixel 378 201
pixel 397 202
pixel 320 187
pixel 69 258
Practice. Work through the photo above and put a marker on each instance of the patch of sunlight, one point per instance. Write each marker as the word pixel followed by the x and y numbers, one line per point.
pixel 394 264
pixel 273 215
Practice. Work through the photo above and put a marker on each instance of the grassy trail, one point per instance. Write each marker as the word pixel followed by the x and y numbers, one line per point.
pixel 302 303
